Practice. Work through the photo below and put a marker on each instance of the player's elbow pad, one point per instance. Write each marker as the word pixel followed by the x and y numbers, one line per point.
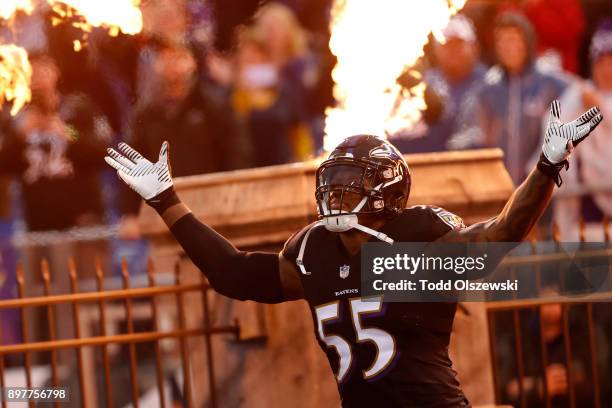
pixel 235 274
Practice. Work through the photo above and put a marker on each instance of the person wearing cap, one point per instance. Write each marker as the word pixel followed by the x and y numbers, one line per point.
pixel 592 165
pixel 457 76
pixel 508 108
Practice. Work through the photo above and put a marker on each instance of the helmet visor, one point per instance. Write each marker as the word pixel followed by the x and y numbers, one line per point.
pixel 341 175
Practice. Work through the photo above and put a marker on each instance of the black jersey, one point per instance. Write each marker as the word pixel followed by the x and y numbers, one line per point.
pixel 383 354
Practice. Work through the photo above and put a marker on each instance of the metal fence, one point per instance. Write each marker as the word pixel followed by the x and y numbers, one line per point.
pixel 103 298
pixel 508 316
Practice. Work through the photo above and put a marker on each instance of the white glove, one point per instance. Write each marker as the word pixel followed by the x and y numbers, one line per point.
pixel 560 138
pixel 146 178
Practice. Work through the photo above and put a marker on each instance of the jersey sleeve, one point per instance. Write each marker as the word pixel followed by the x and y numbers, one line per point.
pixel 436 222
pixel 450 220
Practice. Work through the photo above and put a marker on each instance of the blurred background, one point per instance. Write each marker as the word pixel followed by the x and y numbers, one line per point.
pixel 238 84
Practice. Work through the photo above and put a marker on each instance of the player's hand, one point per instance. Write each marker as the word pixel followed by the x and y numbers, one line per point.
pixel 561 138
pixel 146 178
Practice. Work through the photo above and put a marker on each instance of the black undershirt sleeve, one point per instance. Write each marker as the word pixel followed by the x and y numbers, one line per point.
pixel 236 274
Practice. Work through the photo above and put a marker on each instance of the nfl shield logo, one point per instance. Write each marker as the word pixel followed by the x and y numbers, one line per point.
pixel 344 271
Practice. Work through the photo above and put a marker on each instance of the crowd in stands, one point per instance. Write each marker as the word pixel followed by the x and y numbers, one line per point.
pixel 235 84
pixel 249 87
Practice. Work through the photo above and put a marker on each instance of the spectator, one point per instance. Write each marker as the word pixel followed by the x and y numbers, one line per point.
pixel 114 62
pixel 592 164
pixel 287 45
pixel 595 11
pixel 545 329
pixel 200 128
pixel 507 110
pixel 165 25
pixel 55 148
pixel 263 100
pixel 457 76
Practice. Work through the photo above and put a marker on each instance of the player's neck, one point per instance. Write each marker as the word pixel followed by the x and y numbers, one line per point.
pixel 353 239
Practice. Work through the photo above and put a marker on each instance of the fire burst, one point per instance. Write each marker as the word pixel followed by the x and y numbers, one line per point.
pixel 116 15
pixel 375 41
pixel 15 74
pixel 9 7
pixel 15 70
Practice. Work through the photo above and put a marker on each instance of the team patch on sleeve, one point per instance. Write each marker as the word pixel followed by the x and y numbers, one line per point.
pixel 450 219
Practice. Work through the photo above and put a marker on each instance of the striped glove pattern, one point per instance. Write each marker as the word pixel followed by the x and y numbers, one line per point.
pixel 561 138
pixel 146 178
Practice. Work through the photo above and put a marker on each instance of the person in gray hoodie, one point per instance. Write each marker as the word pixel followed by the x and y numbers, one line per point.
pixel 507 110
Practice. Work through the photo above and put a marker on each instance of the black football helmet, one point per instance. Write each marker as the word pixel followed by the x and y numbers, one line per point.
pixel 367 167
pixel 370 176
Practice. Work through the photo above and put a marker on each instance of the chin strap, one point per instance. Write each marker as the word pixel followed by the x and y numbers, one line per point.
pixel 300 258
pixel 377 234
pixel 338 223
pixel 345 222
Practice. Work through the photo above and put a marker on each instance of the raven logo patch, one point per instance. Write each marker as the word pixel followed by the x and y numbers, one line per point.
pixel 450 219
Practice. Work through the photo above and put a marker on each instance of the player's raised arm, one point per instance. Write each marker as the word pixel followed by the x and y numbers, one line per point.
pixel 529 200
pixel 259 276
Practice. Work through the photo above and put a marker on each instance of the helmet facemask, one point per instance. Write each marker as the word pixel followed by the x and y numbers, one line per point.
pixel 348 187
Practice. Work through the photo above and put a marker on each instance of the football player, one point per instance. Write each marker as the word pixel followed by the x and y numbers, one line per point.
pixel 383 354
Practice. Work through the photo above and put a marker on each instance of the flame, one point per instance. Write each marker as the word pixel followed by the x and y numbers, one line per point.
pixel 9 7
pixel 15 70
pixel 375 42
pixel 115 15
pixel 15 75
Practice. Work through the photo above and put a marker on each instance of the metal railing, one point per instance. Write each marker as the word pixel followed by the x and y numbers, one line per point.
pixel 516 306
pixel 103 297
